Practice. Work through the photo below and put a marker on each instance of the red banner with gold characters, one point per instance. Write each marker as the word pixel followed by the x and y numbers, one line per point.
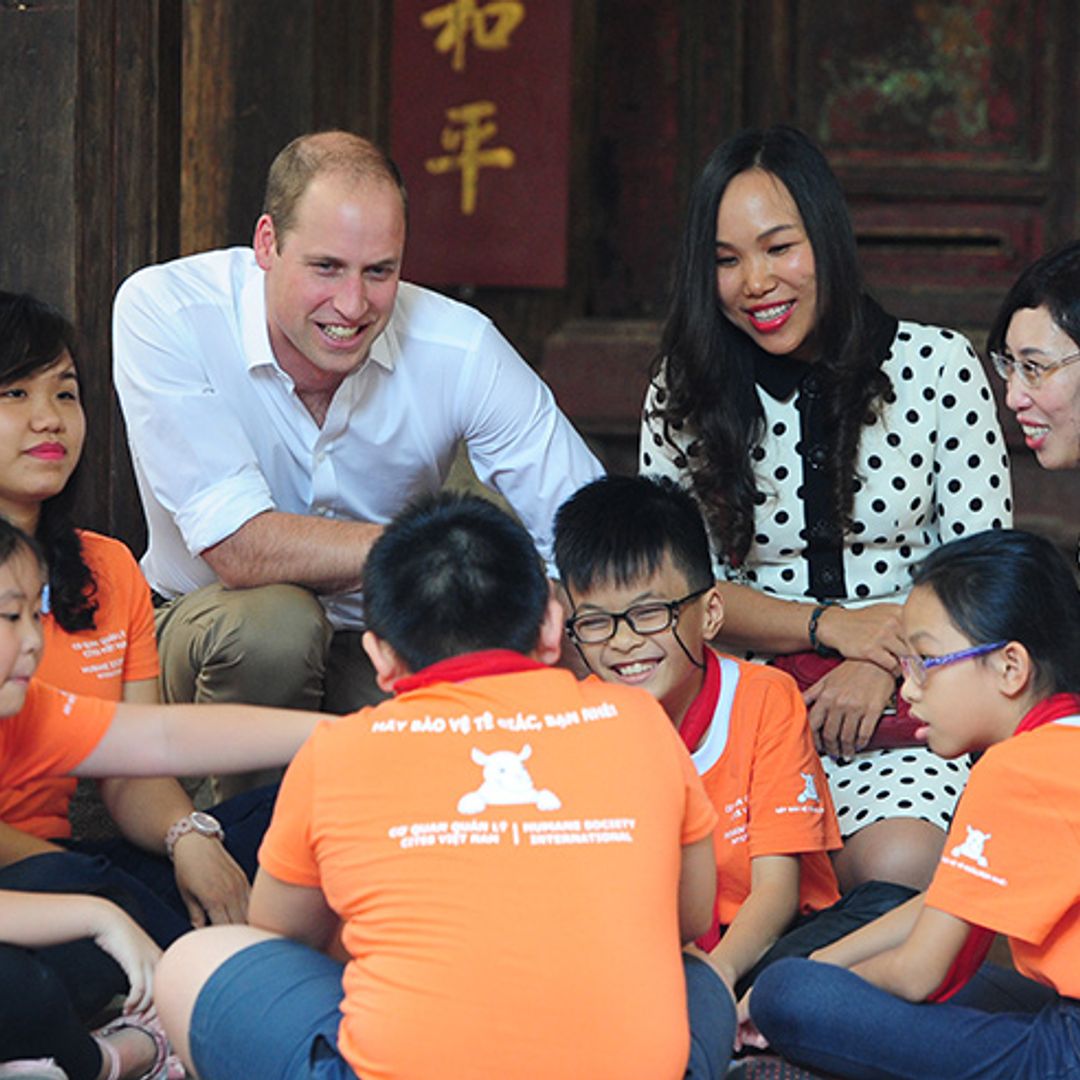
pixel 480 127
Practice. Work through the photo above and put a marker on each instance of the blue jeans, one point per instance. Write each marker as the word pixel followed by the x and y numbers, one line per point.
pixel 712 1020
pixel 272 1011
pixel 828 1019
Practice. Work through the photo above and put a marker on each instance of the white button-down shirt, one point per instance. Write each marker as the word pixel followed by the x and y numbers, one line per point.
pixel 218 434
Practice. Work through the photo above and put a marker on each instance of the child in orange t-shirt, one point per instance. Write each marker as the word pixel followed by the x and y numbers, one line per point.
pixel 633 557
pixel 175 865
pixel 993 624
pixel 507 857
pixel 44 996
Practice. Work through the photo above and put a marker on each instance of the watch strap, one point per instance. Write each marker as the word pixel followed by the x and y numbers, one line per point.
pixel 191 823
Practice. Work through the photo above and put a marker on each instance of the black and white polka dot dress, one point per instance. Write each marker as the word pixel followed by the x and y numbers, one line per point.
pixel 931 468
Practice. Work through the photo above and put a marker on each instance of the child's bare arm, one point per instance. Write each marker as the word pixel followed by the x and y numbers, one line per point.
pixel 885 932
pixel 763 917
pixel 295 911
pixel 179 740
pixel 16 845
pixel 697 888
pixel 916 967
pixel 37 920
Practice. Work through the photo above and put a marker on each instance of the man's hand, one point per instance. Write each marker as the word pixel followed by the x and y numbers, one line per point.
pixel 843 707
pixel 214 888
pixel 868 633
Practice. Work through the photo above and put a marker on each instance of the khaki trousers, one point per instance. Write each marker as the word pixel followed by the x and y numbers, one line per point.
pixel 270 645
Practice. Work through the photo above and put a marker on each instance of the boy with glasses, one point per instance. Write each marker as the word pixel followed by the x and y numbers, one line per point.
pixel 634 561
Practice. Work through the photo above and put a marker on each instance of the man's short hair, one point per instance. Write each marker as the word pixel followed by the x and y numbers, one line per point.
pixel 309 156
pixel 619 528
pixel 454 574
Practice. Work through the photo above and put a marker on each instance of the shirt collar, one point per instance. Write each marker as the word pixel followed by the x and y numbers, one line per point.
pixel 469 666
pixel 255 331
pixel 699 715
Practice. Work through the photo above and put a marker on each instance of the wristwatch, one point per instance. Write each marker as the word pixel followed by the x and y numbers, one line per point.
pixel 196 821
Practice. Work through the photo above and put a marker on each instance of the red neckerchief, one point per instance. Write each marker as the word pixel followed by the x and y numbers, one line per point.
pixel 700 713
pixel 467 666
pixel 979 939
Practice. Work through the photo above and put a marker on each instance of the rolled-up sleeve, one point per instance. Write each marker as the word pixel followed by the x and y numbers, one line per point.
pixel 190 448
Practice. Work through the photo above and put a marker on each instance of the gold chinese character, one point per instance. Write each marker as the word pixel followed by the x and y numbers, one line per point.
pixel 490 24
pixel 464 146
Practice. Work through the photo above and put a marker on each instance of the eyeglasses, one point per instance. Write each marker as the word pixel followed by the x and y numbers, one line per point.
pixel 1031 373
pixel 596 627
pixel 918 668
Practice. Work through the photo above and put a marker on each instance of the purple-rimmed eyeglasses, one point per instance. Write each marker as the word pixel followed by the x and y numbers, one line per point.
pixel 917 668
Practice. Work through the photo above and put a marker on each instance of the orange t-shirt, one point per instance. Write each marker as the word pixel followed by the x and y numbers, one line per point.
pixel 504 852
pixel 52 733
pixel 121 648
pixel 1012 858
pixel 764 777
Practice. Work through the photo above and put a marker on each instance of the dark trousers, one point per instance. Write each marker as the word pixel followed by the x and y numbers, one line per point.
pixel 47 996
pixel 141 883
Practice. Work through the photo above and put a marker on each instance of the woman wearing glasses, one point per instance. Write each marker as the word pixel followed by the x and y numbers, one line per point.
pixel 1035 345
pixel 831 447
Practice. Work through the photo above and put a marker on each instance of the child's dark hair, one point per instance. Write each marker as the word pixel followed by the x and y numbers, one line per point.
pixel 618 529
pixel 33 336
pixel 1052 281
pixel 454 574
pixel 13 541
pixel 1008 585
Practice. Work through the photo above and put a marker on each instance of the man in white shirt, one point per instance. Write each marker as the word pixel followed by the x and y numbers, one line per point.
pixel 284 402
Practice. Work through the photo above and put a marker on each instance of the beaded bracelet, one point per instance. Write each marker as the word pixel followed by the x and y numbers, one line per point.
pixel 811 629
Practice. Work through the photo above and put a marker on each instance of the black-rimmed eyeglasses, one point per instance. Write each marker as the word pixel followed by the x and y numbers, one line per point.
pixel 653 617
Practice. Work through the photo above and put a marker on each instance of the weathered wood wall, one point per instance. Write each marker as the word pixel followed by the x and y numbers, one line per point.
pixel 136 131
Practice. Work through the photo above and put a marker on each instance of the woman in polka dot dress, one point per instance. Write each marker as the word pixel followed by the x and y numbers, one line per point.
pixel 831 447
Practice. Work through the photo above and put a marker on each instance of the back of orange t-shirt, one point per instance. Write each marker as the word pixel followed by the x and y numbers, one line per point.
pixel 1012 857
pixel 505 853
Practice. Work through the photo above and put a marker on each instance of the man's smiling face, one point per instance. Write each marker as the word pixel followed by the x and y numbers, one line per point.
pixel 332 277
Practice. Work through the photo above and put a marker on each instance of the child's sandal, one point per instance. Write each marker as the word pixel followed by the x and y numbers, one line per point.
pixel 36 1069
pixel 166 1066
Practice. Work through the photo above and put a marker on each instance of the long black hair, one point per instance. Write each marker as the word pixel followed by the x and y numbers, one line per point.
pixel 708 363
pixel 33 336
pixel 1009 585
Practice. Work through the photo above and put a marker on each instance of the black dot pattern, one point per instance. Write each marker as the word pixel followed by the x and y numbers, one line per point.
pixel 884 784
pixel 933 469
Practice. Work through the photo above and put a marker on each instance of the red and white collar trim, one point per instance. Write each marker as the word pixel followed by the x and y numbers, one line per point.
pixel 707 722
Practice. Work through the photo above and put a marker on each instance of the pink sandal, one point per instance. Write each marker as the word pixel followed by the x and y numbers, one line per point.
pixel 166 1066
pixel 37 1069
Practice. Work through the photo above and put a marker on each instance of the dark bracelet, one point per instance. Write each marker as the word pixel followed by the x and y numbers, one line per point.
pixel 811 630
